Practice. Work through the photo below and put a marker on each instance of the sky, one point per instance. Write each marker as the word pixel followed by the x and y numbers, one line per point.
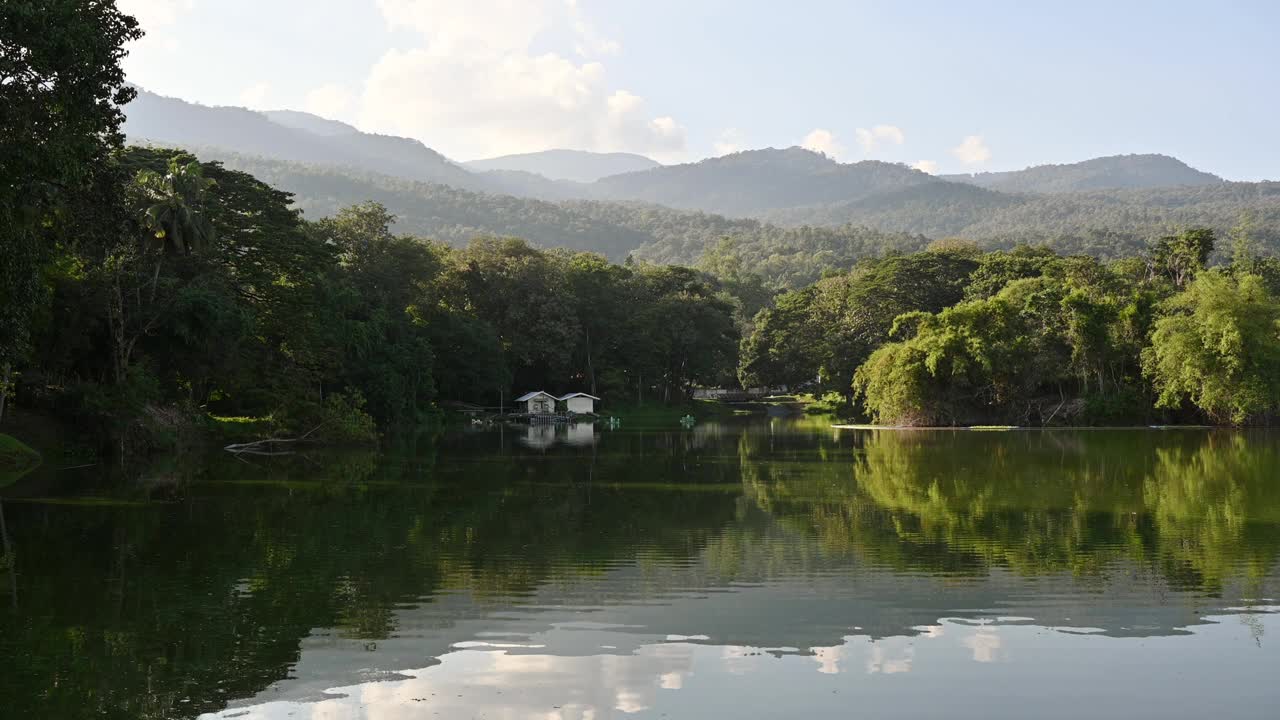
pixel 944 86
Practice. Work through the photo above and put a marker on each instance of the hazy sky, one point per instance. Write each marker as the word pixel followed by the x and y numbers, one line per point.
pixel 953 86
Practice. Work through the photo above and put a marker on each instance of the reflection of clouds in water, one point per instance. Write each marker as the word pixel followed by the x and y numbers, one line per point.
pixel 739 660
pixel 985 644
pixel 884 656
pixel 524 680
pixel 501 684
pixel 828 658
pixel 528 682
pixel 930 631
pixel 891 655
pixel 630 701
pixel 589 686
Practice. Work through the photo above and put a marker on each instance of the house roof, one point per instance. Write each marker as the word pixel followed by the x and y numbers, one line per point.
pixel 574 395
pixel 529 396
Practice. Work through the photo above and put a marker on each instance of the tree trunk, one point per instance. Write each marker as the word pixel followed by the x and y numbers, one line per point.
pixel 9 556
pixel 591 370
pixel 115 316
pixel 4 389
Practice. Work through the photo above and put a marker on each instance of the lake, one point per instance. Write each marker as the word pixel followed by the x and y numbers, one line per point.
pixel 752 568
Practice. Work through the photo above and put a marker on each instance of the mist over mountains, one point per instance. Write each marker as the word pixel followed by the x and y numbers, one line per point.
pixel 1103 206
pixel 575 165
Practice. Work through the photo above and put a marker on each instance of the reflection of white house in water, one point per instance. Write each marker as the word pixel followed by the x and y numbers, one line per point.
pixel 538 403
pixel 545 435
pixel 539 437
pixel 583 433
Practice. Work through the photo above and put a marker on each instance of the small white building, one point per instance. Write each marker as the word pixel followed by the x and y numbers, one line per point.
pixel 580 403
pixel 538 403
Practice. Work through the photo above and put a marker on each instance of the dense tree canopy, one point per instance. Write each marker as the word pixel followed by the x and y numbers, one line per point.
pixel 954 335
pixel 214 294
pixel 1219 346
pixel 61 86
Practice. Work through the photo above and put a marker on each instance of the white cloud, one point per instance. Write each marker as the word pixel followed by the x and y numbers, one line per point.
pixel 589 42
pixel 474 86
pixel 667 127
pixel 155 17
pixel 823 141
pixel 972 150
pixel 928 166
pixel 872 138
pixel 330 100
pixel 731 140
pixel 255 96
pixel 155 14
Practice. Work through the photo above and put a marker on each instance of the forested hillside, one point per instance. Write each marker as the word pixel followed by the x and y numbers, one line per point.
pixel 330 165
pixel 784 256
pixel 988 216
pixel 755 181
pixel 287 136
pixel 1117 171
pixel 1103 224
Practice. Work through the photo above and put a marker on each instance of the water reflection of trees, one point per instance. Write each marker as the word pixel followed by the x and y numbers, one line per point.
pixel 195 584
pixel 1201 508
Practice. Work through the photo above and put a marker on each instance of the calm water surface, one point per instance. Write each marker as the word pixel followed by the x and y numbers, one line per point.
pixel 752 569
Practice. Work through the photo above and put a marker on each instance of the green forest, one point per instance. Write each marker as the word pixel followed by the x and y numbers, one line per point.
pixel 145 286
pixel 216 295
pixel 957 336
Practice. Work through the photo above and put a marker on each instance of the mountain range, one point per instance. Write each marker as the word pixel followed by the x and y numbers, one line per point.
pixel 1117 171
pixel 574 165
pixel 676 213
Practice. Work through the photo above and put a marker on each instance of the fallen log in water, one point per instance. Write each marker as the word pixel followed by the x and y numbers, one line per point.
pixel 268 446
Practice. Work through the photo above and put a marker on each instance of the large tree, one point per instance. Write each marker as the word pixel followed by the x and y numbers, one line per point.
pixel 61 88
pixel 1219 346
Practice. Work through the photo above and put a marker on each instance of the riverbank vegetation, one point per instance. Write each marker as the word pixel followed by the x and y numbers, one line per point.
pixel 953 335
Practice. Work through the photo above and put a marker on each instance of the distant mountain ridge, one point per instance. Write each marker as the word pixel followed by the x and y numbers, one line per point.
pixel 756 181
pixel 1115 171
pixel 574 165
pixel 803 208
pixel 291 136
pixel 311 123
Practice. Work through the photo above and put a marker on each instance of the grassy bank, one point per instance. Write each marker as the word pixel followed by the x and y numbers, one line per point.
pixel 659 415
pixel 16 459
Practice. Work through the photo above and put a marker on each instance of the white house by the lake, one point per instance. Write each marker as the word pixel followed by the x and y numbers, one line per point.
pixel 580 403
pixel 538 403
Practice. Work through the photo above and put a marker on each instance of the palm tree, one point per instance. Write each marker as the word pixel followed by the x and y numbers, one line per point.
pixel 171 211
pixel 173 207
